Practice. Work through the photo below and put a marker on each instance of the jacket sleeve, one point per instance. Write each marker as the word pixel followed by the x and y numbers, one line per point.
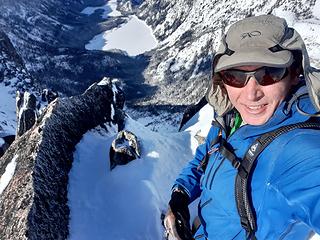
pixel 189 178
pixel 300 181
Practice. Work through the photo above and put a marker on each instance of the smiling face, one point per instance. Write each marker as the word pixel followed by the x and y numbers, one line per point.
pixel 255 103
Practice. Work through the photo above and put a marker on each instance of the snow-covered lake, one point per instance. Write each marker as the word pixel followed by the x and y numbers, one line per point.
pixel 135 36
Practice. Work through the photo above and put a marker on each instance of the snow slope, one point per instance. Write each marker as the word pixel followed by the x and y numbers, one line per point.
pixel 7 110
pixel 134 37
pixel 125 203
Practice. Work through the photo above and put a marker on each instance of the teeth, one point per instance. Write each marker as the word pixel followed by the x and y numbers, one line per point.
pixel 255 107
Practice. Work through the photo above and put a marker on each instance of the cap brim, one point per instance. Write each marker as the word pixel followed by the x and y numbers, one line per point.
pixel 263 57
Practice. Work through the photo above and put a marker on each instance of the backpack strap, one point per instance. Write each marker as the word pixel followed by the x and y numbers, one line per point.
pixel 245 169
pixel 204 162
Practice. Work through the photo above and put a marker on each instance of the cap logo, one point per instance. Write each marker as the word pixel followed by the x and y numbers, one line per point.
pixel 250 34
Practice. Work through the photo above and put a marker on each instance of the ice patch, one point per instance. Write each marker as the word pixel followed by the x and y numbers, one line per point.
pixel 6 177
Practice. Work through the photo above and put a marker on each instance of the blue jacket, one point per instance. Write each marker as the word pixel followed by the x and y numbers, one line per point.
pixel 285 183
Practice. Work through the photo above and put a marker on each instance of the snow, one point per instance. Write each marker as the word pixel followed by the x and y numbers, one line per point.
pixel 7 175
pixel 159 121
pixel 105 81
pixel 7 110
pixel 135 37
pixel 289 16
pixel 126 203
pixel 307 28
pixel 112 112
pixel 199 124
pixel 132 197
pixel 26 96
pixel 316 9
pixel 110 9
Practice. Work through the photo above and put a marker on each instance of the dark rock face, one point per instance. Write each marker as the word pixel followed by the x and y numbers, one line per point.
pixel 12 68
pixel 26 104
pixel 6 142
pixel 191 111
pixel 34 204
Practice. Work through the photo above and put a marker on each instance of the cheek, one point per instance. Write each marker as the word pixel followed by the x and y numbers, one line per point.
pixel 233 94
pixel 278 91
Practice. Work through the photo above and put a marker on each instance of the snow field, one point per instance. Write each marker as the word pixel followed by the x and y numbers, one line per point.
pixel 127 202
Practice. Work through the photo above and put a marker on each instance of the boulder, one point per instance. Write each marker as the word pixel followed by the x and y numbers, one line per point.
pixel 125 148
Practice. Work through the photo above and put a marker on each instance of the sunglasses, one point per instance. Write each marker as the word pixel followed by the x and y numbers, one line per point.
pixel 265 76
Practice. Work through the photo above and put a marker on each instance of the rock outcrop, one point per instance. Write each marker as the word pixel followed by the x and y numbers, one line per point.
pixel 124 148
pixel 48 95
pixel 34 203
pixel 26 109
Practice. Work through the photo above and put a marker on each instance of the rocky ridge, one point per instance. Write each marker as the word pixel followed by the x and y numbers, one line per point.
pixel 34 204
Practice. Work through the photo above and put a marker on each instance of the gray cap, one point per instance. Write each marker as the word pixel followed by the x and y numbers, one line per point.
pixel 254 41
pixel 260 40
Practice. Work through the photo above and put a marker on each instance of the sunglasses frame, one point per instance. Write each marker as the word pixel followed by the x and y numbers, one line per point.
pixel 249 74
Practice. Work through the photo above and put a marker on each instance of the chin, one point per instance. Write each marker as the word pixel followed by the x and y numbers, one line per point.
pixel 255 121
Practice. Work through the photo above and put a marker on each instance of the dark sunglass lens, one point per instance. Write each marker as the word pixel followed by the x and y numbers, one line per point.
pixel 268 80
pixel 272 75
pixel 233 78
pixel 276 72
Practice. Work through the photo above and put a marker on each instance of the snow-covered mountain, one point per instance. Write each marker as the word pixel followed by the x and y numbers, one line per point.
pixel 42 44
pixel 189 32
pixel 50 37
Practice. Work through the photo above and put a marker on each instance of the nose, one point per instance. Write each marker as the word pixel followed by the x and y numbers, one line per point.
pixel 252 90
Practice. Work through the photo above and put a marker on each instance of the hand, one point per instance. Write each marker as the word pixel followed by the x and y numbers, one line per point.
pixel 170 226
pixel 177 217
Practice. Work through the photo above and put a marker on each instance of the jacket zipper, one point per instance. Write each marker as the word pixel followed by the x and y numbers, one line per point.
pixel 223 130
pixel 214 161
pixel 205 203
pixel 215 172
